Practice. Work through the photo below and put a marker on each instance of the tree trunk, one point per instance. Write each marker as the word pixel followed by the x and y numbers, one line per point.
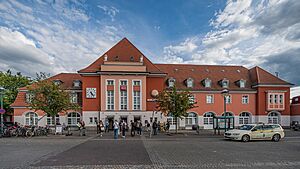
pixel 54 123
pixel 176 118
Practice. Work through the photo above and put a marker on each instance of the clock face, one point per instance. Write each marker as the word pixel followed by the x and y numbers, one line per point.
pixel 90 92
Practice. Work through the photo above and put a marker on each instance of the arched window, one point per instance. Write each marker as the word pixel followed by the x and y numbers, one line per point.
pixel 191 119
pixel 73 118
pixel 228 114
pixel 50 121
pixel 208 118
pixel 273 118
pixel 244 118
pixel 31 118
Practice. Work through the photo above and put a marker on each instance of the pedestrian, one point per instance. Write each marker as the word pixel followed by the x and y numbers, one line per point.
pixel 106 126
pixel 139 127
pixel 97 126
pixel 123 126
pixel 83 127
pixel 132 125
pixel 101 128
pixel 154 127
pixel 116 128
pixel 167 126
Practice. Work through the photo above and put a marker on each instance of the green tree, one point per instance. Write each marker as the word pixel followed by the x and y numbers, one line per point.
pixel 175 102
pixel 11 83
pixel 50 98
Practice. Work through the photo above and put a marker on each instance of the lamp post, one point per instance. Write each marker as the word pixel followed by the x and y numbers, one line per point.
pixel 1 107
pixel 225 94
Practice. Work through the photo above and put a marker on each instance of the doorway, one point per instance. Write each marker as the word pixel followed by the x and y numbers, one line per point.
pixel 110 122
pixel 136 118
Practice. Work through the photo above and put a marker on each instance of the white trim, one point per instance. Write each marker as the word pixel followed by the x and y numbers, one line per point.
pixel 272 85
pixel 213 98
pixel 248 98
pixel 132 92
pixel 219 91
pixel 127 106
pixel 89 74
pixel 106 93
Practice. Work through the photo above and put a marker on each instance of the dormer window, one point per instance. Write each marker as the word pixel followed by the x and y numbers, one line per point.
pixel 131 59
pixel 57 82
pixel 117 58
pixel 207 83
pixel 225 83
pixel 28 97
pixel 189 82
pixel 76 83
pixel 171 82
pixel 242 83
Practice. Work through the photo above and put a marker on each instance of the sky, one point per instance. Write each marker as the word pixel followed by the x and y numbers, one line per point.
pixel 56 36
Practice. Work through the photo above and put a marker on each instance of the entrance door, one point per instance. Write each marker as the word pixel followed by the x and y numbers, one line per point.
pixel 136 118
pixel 124 118
pixel 110 122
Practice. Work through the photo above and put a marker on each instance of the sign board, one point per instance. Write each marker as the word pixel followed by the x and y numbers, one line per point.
pixel 58 129
pixel 2 111
pixel 123 88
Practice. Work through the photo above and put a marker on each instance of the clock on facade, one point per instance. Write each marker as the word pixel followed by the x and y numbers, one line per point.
pixel 90 92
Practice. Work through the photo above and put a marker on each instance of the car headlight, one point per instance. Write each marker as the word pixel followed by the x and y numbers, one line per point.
pixel 236 134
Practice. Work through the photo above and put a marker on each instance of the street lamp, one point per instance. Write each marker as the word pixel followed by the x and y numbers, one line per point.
pixel 1 108
pixel 225 94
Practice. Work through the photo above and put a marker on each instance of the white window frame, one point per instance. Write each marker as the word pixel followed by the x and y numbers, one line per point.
pixel 245 101
pixel 73 97
pixel 242 83
pixel 31 118
pixel 49 120
pixel 133 97
pixel 192 99
pixel 191 120
pixel 245 119
pixel 28 97
pixel 207 83
pixel 106 94
pixel 190 83
pixel 272 118
pixel 208 119
pixel 171 81
pixel 73 118
pixel 120 91
pixel 212 99
pixel 228 99
pixel 227 81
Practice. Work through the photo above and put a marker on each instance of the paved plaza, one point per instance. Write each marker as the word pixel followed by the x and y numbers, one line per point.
pixel 186 150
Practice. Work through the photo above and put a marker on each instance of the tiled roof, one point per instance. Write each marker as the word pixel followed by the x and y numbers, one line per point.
pixel 200 72
pixel 261 76
pixel 124 49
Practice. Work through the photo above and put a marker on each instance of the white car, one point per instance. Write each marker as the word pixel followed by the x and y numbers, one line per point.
pixel 256 132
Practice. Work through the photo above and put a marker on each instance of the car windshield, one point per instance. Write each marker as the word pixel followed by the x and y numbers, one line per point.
pixel 246 127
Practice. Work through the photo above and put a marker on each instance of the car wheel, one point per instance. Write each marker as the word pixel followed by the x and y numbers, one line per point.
pixel 245 138
pixel 276 137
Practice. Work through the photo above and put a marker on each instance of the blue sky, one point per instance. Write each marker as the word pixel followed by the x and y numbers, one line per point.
pixel 64 36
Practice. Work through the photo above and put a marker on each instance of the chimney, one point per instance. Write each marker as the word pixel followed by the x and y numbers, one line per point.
pixel 277 74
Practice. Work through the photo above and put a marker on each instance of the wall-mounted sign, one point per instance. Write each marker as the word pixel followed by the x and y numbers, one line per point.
pixel 151 100
pixel 123 87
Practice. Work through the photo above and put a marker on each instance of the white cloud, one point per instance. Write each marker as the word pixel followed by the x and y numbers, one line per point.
pixel 51 38
pixel 248 33
pixel 110 11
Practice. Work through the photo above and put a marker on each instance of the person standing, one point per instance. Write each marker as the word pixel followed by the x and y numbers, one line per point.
pixel 154 126
pixel 116 129
pixel 101 128
pixel 123 126
pixel 132 132
pixel 167 126
pixel 106 126
pixel 139 127
pixel 97 126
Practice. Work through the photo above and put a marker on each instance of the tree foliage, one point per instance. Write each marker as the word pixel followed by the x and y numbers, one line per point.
pixel 50 98
pixel 11 82
pixel 174 102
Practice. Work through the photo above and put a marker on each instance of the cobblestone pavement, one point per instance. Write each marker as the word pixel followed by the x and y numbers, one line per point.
pixel 186 150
